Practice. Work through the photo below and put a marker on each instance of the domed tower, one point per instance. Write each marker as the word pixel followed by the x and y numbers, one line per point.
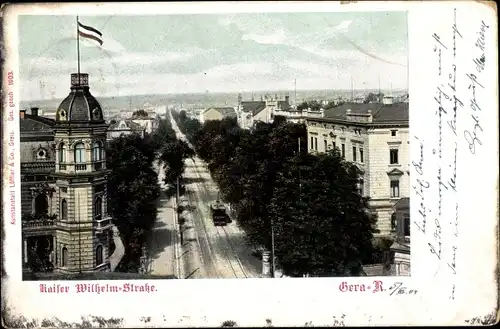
pixel 84 228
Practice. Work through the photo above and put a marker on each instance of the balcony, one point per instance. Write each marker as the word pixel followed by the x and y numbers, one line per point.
pixel 38 222
pixel 103 224
pixel 82 167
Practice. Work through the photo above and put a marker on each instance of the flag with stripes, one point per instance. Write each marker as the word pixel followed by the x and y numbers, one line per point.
pixel 89 32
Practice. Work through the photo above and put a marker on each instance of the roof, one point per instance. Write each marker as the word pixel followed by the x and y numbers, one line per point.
pixel 35 123
pixel 128 124
pixel 79 105
pixel 255 107
pixel 403 203
pixel 382 113
pixel 225 111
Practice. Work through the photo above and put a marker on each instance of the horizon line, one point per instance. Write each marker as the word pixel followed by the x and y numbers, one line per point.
pixel 231 92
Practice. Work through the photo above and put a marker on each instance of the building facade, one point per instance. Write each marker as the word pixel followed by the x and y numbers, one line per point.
pixel 65 226
pixel 374 136
pixel 124 127
pixel 217 113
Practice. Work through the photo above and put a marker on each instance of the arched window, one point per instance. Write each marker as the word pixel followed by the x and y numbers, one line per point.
pixel 41 205
pixel 97 151
pixel 64 209
pixel 98 208
pixel 98 255
pixel 62 153
pixel 79 153
pixel 64 258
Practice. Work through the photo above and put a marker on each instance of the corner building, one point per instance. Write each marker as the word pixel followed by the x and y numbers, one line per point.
pixel 375 137
pixel 63 167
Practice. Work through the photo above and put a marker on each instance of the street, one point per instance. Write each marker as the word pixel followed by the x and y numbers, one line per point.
pixel 209 251
pixel 163 244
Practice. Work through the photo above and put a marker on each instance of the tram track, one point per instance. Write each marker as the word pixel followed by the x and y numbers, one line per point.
pixel 228 250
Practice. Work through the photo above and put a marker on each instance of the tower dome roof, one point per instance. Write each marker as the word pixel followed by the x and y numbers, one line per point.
pixel 79 105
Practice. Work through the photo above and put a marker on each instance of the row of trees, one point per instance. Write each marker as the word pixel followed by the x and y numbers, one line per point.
pixel 132 193
pixel 171 152
pixel 321 223
pixel 133 187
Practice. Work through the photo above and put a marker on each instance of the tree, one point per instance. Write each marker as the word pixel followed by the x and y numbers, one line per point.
pixel 132 191
pixel 320 220
pixel 140 113
pixel 371 97
pixel 173 156
pixel 312 105
pixel 322 223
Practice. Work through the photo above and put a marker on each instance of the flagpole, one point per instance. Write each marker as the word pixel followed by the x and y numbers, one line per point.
pixel 78 48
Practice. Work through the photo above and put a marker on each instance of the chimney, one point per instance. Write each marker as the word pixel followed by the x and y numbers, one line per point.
pixel 22 113
pixel 387 100
pixel 287 99
pixel 370 116
pixel 34 111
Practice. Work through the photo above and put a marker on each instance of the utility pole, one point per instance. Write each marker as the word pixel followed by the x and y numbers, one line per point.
pixel 352 90
pixel 177 198
pixel 295 92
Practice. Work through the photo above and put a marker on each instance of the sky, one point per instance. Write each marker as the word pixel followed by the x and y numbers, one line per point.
pixel 170 54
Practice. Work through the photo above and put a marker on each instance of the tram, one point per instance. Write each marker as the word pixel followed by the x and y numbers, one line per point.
pixel 219 214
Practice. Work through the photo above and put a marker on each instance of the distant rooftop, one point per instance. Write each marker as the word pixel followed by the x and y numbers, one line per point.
pixel 381 113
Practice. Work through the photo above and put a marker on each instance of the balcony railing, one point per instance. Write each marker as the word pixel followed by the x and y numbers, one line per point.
pixel 40 223
pixel 103 223
pixel 82 166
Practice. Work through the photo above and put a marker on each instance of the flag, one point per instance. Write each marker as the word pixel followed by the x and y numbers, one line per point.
pixel 90 33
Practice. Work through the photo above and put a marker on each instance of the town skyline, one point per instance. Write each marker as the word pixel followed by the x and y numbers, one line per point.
pixel 216 53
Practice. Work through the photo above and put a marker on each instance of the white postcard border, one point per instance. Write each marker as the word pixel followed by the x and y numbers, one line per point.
pixel 316 301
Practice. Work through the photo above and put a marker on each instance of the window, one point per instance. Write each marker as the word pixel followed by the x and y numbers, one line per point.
pixel 98 208
pixel 312 143
pixel 394 188
pixel 96 152
pixel 354 153
pixel 62 156
pixel 361 159
pixel 393 221
pixel 343 150
pixel 316 143
pixel 79 153
pixel 41 205
pixel 334 145
pixel 98 255
pixel 97 155
pixel 406 224
pixel 393 132
pixel 64 209
pixel 326 145
pixel 393 156
pixel 64 258
pixel 80 157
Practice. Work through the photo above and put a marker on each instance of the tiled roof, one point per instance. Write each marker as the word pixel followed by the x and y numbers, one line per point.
pixel 254 107
pixel 32 123
pixel 382 113
pixel 225 111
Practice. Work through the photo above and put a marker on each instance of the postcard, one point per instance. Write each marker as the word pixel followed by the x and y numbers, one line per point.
pixel 249 164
